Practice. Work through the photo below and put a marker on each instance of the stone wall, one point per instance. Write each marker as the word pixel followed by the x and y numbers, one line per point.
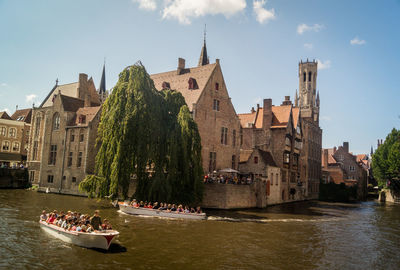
pixel 13 178
pixel 228 196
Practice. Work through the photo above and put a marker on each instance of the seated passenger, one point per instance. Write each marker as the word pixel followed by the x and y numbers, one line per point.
pixel 84 228
pixel 173 208
pixel 141 204
pixel 149 205
pixel 186 210
pixel 79 227
pixel 198 210
pixel 43 216
pixel 155 205
pixel 192 210
pixel 106 225
pixel 179 209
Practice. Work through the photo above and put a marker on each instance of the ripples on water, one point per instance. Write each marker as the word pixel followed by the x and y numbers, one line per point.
pixel 310 235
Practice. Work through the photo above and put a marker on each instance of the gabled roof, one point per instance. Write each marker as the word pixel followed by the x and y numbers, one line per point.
pixel 4 115
pixel 23 115
pixel 296 115
pixel 245 155
pixel 280 115
pixel 88 112
pixel 180 82
pixel 69 89
pixel 71 104
pixel 267 157
pixel 331 158
pixel 246 119
pixel 361 157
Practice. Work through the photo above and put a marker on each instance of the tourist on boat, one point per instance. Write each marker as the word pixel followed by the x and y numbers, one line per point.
pixel 192 210
pixel 134 203
pixel 95 220
pixel 106 225
pixel 179 209
pixel 43 216
pixel 155 205
pixel 173 208
pixel 51 218
pixel 186 209
pixel 198 210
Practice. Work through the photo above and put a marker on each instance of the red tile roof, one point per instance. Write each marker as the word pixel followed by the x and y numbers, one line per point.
pixel 23 115
pixel 180 82
pixel 246 119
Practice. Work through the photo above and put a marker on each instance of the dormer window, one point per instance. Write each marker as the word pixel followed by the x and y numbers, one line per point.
pixel 165 85
pixel 82 119
pixel 216 86
pixel 192 84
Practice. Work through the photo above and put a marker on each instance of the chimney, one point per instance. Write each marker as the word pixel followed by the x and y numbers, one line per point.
pixel 325 159
pixel 287 101
pixel 267 113
pixel 258 106
pixel 181 65
pixel 217 61
pixel 346 146
pixel 87 101
pixel 334 149
pixel 252 110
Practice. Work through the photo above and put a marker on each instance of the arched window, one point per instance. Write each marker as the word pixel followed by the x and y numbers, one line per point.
pixel 216 86
pixel 304 77
pixel 56 121
pixel 309 76
pixel 15 146
pixel 6 146
pixel 3 131
pixel 12 132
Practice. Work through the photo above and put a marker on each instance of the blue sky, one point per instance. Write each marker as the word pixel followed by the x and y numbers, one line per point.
pixel 259 43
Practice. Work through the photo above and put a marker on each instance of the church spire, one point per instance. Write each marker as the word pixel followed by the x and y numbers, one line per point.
pixel 102 88
pixel 296 100
pixel 317 101
pixel 203 56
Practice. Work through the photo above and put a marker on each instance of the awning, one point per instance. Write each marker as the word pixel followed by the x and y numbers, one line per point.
pixel 11 157
pixel 228 170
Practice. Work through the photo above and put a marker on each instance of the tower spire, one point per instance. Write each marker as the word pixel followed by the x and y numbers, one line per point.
pixel 102 88
pixel 296 99
pixel 203 55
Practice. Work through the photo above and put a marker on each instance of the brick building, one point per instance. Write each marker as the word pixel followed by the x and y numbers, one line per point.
pixel 277 129
pixel 64 129
pixel 339 165
pixel 309 104
pixel 206 95
pixel 14 137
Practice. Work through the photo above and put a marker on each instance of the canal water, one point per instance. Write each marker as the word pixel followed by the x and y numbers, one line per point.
pixel 308 235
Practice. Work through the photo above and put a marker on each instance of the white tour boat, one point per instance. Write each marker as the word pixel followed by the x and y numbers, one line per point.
pixel 128 209
pixel 100 240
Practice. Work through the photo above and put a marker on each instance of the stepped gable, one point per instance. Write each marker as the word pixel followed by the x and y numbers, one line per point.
pixel 180 82
pixel 23 115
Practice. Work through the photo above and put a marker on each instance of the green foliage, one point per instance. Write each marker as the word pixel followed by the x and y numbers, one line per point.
pixel 148 135
pixel 337 192
pixel 386 159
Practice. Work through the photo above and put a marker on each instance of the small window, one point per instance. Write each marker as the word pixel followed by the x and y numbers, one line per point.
pixel 20 118
pixel 224 135
pixel 165 85
pixel 37 126
pixel 255 160
pixel 286 157
pixel 81 137
pixel 216 105
pixel 79 162
pixel 309 76
pixel 6 146
pixel 69 164
pixel 15 147
pixel 234 137
pixel 3 131
pixel 53 155
pixel 72 137
pixel 304 77
pixel 73 179
pixel 50 178
pixel 12 132
pixel 216 86
pixel 192 84
pixel 64 177
pixel 233 161
pixel 56 121
pixel 82 119
pixel 35 150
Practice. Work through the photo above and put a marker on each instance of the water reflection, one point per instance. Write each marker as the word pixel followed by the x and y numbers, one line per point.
pixel 309 235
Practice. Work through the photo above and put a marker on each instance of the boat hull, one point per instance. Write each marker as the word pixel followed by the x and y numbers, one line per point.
pixel 88 240
pixel 158 213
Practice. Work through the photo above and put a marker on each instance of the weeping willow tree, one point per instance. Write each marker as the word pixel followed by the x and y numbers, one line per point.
pixel 149 136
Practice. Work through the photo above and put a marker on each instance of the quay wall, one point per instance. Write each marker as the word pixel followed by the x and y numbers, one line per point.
pixel 229 196
pixel 13 178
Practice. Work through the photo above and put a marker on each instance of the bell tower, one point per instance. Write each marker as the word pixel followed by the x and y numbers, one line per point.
pixel 308 99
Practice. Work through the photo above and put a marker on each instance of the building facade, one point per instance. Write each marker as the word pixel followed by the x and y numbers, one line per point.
pixel 206 95
pixel 62 143
pixel 14 137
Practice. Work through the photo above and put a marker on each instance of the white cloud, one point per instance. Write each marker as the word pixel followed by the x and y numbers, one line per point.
pixel 30 98
pixel 263 15
pixel 185 10
pixel 301 28
pixel 146 4
pixel 357 41
pixel 324 65
pixel 6 110
pixel 308 46
pixel 3 84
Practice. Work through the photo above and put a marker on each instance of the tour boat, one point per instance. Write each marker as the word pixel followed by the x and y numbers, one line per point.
pixel 128 209
pixel 101 240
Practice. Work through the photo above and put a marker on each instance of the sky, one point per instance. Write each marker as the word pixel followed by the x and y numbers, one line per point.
pixel 259 44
